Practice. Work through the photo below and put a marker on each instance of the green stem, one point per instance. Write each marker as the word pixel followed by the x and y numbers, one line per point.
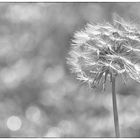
pixel 116 120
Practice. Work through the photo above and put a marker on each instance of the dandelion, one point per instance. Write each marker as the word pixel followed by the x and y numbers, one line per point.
pixel 104 51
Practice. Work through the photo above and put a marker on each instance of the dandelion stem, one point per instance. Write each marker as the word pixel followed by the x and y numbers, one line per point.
pixel 116 120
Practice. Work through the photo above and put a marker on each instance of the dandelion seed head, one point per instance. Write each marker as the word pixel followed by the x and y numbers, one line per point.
pixel 104 49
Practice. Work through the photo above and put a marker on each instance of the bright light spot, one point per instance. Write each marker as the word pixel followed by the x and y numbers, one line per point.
pixel 5 47
pixel 13 75
pixel 53 132
pixel 129 118
pixel 67 127
pixel 33 114
pixel 53 75
pixel 69 86
pixel 24 43
pixel 14 123
pixel 52 97
pixel 18 13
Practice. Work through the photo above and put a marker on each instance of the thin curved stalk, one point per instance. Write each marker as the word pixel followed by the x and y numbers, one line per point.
pixel 115 111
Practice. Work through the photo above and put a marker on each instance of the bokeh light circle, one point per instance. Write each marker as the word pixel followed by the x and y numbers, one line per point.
pixel 14 123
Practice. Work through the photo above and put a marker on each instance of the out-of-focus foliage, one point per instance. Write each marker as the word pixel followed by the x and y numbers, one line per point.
pixel 39 97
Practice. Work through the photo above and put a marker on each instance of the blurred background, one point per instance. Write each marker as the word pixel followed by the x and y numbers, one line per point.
pixel 39 97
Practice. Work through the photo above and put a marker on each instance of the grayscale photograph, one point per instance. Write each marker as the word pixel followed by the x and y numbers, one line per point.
pixel 70 69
